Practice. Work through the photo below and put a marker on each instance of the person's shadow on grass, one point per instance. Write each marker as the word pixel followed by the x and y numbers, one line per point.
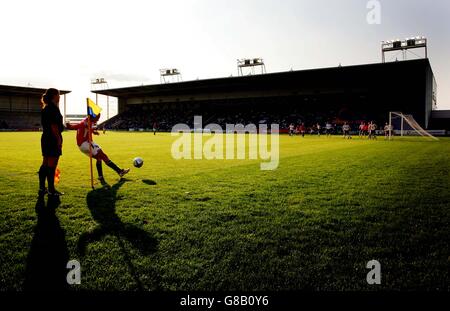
pixel 102 205
pixel 149 182
pixel 48 255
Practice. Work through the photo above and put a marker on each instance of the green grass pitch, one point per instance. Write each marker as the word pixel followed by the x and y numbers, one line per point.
pixel 314 223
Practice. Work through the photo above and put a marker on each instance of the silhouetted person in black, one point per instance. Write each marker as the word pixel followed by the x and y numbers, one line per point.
pixel 51 141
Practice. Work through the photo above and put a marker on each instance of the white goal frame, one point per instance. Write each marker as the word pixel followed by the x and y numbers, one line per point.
pixel 410 121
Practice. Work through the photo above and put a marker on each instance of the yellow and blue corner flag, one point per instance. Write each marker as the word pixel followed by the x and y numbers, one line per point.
pixel 93 109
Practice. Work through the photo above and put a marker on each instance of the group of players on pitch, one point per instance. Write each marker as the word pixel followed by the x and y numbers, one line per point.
pixel 368 130
pixel 51 143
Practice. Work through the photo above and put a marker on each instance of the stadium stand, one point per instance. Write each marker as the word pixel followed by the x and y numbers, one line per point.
pixel 20 120
pixel 337 95
pixel 143 117
pixel 20 107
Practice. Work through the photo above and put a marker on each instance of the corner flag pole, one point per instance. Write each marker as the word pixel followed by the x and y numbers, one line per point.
pixel 90 143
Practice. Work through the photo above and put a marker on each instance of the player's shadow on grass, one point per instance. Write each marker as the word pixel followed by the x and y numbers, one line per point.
pixel 149 182
pixel 102 205
pixel 48 255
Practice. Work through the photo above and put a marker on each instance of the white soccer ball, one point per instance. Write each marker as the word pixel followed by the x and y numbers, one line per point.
pixel 138 162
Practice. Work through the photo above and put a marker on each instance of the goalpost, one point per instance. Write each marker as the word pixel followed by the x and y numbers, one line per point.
pixel 407 121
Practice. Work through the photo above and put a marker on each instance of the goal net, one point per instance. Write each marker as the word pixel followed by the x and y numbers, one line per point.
pixel 405 125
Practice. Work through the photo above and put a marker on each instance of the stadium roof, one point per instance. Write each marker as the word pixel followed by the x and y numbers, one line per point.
pixel 279 80
pixel 24 91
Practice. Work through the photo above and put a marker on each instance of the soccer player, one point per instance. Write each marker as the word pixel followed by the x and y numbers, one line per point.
pixel 318 129
pixel 291 129
pixel 83 139
pixel 328 128
pixel 155 126
pixel 302 129
pixel 346 130
pixel 372 130
pixel 366 129
pixel 369 130
pixel 51 141
pixel 361 129
pixel 387 131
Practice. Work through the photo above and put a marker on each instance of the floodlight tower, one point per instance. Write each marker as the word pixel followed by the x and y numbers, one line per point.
pixel 170 75
pixel 404 46
pixel 251 65
pixel 101 84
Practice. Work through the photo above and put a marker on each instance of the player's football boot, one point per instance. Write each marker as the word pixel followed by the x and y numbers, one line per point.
pixel 42 192
pixel 56 193
pixel 124 172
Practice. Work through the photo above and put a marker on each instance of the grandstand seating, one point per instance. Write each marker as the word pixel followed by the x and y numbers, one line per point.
pixel 20 120
pixel 144 116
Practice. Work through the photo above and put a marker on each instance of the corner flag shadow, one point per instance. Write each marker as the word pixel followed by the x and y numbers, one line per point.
pixel 48 255
pixel 102 205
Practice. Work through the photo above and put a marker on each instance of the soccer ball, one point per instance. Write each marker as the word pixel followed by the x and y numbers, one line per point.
pixel 138 162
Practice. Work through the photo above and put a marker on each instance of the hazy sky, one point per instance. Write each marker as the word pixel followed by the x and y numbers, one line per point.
pixel 65 44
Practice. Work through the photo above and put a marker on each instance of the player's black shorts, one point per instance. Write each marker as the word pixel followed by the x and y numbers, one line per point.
pixel 49 147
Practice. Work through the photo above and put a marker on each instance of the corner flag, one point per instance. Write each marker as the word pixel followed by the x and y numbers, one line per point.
pixel 92 108
pixel 93 111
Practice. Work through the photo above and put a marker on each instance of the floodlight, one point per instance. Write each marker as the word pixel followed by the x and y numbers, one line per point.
pixel 404 45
